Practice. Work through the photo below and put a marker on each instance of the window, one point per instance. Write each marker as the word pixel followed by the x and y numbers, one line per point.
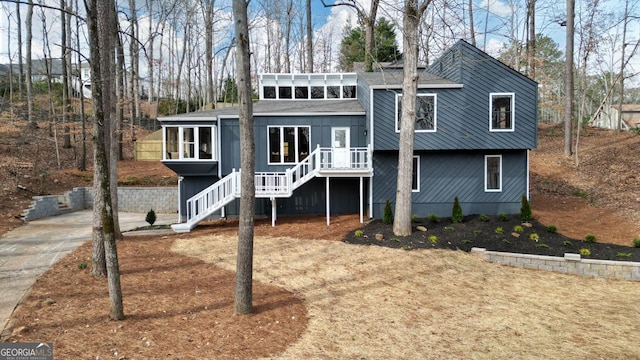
pixel 501 111
pixel 415 174
pixel 348 92
pixel 302 92
pixel 284 92
pixel 269 92
pixel 493 173
pixel 333 92
pixel 288 144
pixel 190 143
pixel 426 108
pixel 317 92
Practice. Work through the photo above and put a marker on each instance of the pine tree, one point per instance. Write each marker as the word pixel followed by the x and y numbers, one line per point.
pixel 456 213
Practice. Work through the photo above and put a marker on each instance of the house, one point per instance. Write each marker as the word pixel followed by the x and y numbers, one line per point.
pixel 608 117
pixel 328 143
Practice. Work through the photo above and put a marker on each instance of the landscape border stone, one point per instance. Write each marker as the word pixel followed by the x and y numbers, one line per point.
pixel 569 264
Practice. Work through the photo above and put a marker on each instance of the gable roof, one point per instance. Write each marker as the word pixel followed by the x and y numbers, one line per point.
pixel 461 58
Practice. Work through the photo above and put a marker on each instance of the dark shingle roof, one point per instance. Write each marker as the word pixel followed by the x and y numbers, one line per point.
pixel 280 107
pixel 393 78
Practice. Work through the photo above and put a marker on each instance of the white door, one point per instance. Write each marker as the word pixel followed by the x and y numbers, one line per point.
pixel 340 147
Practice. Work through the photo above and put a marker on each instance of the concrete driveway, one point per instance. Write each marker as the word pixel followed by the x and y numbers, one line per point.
pixel 28 251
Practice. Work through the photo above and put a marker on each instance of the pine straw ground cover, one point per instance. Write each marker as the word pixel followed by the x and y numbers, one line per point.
pixel 325 299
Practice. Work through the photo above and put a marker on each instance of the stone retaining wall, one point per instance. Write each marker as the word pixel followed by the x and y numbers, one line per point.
pixel 163 200
pixel 570 264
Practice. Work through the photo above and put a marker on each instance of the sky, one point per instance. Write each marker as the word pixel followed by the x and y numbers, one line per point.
pixel 490 15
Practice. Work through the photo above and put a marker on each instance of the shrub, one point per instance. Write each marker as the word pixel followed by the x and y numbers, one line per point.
pixel 82 265
pixel 542 245
pixel 499 230
pixel 552 229
pixel 503 217
pixel 590 238
pixel 151 217
pixel 525 209
pixel 624 254
pixel 535 237
pixel 456 213
pixel 518 228
pixel 433 239
pixel 414 218
pixel 387 215
pixel 358 233
pixel 483 218
pixel 566 243
pixel 450 228
pixel 585 252
pixel 433 218
pixel 636 242
pixel 477 232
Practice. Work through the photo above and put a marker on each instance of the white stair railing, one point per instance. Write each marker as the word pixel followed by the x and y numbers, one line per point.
pixel 268 184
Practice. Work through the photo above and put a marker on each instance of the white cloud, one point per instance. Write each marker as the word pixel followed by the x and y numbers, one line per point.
pixel 496 7
pixel 494 47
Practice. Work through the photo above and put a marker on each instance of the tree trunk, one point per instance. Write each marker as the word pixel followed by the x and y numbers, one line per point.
pixel 101 36
pixel 568 116
pixel 20 60
pixel 411 21
pixel 29 80
pixel 309 39
pixel 244 268
pixel 66 103
pixel 369 35
pixel 472 29
pixel 531 44
pixel 208 35
pixel 622 63
pixel 83 152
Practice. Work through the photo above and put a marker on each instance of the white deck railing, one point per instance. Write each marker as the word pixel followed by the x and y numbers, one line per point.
pixel 275 184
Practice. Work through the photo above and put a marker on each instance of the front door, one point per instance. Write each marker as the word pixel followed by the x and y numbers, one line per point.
pixel 340 147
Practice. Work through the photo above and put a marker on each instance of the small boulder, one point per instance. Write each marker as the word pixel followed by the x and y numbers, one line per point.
pixel 379 237
pixel 527 224
pixel 421 228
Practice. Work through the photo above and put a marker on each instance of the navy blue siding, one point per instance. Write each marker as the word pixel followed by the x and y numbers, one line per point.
pixel 190 186
pixel 463 114
pixel 320 135
pixel 445 175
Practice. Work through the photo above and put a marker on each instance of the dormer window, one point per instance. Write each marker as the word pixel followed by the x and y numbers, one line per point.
pixel 501 110
pixel 426 114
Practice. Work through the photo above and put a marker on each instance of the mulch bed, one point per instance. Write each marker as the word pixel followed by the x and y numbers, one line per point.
pixel 473 232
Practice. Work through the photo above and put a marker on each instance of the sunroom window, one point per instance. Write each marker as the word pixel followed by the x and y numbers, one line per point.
pixel 189 143
pixel 502 111
pixel 426 112
pixel 288 144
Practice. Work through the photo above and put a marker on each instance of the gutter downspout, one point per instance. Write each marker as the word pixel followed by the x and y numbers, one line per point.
pixel 180 178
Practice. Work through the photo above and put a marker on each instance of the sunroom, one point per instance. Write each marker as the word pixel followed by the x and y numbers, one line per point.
pixel 189 142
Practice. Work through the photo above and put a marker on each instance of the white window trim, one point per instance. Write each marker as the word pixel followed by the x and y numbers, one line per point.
pixel 417 189
pixel 486 188
pixel 513 111
pixel 196 135
pixel 281 127
pixel 435 113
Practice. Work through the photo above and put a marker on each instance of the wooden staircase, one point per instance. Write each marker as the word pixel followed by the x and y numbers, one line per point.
pixel 272 185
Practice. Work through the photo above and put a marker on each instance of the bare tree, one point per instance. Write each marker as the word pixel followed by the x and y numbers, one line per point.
pixel 472 29
pixel 66 101
pixel 101 35
pixel 244 268
pixel 411 21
